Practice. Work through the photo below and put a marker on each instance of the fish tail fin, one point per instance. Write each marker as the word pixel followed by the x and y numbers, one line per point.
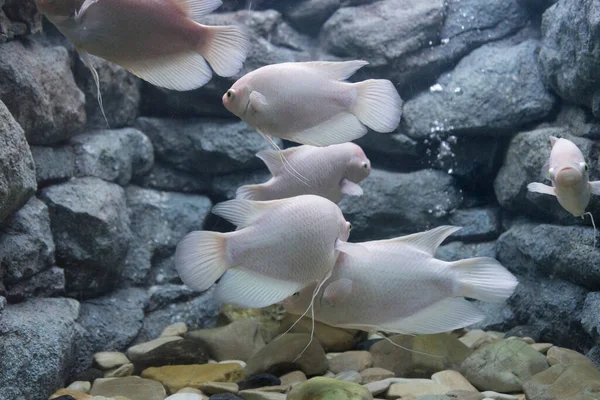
pixel 225 48
pixel 483 278
pixel 378 105
pixel 200 259
pixel 250 192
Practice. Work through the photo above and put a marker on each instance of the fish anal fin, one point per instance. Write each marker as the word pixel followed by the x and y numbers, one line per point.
pixel 337 291
pixel 244 288
pixel 537 187
pixel 241 212
pixel 443 316
pixel 337 70
pixel 342 128
pixel 595 187
pixel 273 160
pixel 195 9
pixel 182 72
pixel 350 188
pixel 427 241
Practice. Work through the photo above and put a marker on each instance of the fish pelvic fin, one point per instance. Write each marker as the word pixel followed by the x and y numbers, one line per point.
pixel 378 105
pixel 200 259
pixel 225 48
pixel 483 278
pixel 86 59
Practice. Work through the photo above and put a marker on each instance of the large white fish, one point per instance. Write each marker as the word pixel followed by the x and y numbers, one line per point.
pixel 308 102
pixel 156 40
pixel 280 246
pixel 397 285
pixel 330 172
pixel 568 172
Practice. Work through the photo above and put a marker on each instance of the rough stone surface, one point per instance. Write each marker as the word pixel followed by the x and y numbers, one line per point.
pixel 90 226
pixel 159 220
pixel 570 52
pixel 503 366
pixel 167 178
pixel 324 388
pixel 17 173
pixel 38 87
pixel 407 364
pixel 37 340
pixel 428 198
pixel 120 92
pixel 576 382
pixel 455 251
pixel 111 323
pixel 470 102
pixel 53 164
pixel 48 283
pixel 174 352
pixel 177 377
pixel 135 388
pixel 113 155
pixel 26 244
pixel 478 224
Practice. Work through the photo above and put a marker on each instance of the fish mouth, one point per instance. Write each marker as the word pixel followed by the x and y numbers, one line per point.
pixel 568 176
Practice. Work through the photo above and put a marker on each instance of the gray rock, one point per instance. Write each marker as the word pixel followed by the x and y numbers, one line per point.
pixel 110 323
pixel 422 40
pixel 395 151
pixel 120 91
pixel 273 41
pixel 503 366
pixel 455 251
pixel 26 244
pixel 523 331
pixel 552 305
pixel 565 252
pixel 17 173
pixel 37 341
pixel 24 12
pixel 53 164
pixel 163 295
pixel 158 221
pixel 205 146
pixel 310 15
pixel 526 156
pixel 225 186
pixel 478 224
pixel 38 87
pixel 48 283
pixel 428 197
pixel 470 102
pixel 580 121
pixel 498 317
pixel 167 178
pixel 163 271
pixel 113 155
pixel 570 52
pixel 537 6
pixel 200 312
pixel 590 318
pixel 3 303
pixel 594 355
pixel 91 231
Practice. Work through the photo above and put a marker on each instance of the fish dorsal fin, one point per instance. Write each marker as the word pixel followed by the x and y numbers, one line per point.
pixel 337 70
pixel 352 249
pixel 272 158
pixel 337 291
pixel 196 9
pixel 427 241
pixel 242 213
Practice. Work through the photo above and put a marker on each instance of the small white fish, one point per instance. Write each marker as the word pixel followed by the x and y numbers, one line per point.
pixel 308 102
pixel 568 173
pixel 397 285
pixel 158 40
pixel 279 247
pixel 330 172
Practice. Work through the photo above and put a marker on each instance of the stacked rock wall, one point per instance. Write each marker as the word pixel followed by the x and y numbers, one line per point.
pixel 90 217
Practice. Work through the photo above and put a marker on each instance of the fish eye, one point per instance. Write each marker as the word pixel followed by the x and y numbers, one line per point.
pixel 349 226
pixel 230 93
pixel 296 294
pixel 365 165
pixel 551 173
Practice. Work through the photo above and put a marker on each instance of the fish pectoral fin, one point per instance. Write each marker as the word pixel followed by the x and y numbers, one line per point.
pixel 195 9
pixel 80 13
pixel 337 291
pixel 553 140
pixel 537 187
pixel 443 316
pixel 352 249
pixel 242 287
pixel 342 128
pixel 273 159
pixel 258 102
pixel 183 71
pixel 595 187
pixel 427 241
pixel 241 212
pixel 337 70
pixel 351 188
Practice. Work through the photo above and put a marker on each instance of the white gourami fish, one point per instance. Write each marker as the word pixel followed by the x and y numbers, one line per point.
pixel 158 41
pixel 279 247
pixel 568 173
pixel 308 102
pixel 397 285
pixel 330 172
